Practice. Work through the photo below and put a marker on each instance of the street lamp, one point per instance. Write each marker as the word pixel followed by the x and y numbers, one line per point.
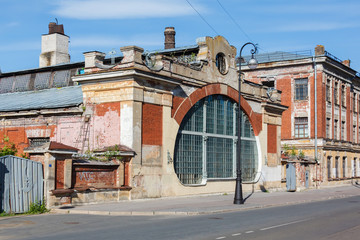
pixel 252 64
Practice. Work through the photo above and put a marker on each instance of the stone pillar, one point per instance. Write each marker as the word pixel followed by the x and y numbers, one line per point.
pixel 67 173
pixel 92 57
pixel 49 178
pixel 132 54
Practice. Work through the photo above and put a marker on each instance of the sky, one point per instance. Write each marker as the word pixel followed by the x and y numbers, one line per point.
pixel 106 25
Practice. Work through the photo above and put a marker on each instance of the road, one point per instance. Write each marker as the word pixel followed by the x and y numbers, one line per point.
pixel 332 219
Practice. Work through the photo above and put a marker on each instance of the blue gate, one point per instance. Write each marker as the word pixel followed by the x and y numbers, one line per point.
pixel 21 183
pixel 291 177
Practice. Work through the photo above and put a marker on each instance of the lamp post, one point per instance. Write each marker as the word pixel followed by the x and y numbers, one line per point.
pixel 252 64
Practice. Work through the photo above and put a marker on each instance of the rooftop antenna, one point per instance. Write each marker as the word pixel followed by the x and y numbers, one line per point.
pixel 56 21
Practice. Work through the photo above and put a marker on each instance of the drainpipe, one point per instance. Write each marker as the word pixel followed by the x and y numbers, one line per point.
pixel 315 122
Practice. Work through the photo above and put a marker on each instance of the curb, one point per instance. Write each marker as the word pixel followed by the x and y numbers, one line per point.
pixel 193 213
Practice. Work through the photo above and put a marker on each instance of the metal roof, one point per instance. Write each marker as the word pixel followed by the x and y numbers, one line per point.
pixel 279 56
pixel 43 99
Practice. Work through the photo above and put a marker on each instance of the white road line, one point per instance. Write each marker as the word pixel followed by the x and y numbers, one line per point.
pixel 236 234
pixel 281 225
pixel 249 232
pixel 220 237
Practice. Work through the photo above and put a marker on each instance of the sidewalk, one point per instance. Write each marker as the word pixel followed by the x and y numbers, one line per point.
pixel 206 204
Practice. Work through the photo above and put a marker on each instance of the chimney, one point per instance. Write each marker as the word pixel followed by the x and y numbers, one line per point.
pixel 319 50
pixel 346 62
pixel 54 46
pixel 169 37
pixel 55 28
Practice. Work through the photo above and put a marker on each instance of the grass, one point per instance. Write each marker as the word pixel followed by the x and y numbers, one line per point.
pixel 35 208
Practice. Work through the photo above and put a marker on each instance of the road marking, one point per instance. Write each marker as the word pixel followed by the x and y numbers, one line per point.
pixel 249 232
pixel 281 225
pixel 236 234
pixel 220 237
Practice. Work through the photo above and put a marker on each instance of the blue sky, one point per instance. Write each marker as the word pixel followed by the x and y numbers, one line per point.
pixel 103 25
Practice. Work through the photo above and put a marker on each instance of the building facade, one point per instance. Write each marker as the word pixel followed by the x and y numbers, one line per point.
pixel 320 129
pixel 147 124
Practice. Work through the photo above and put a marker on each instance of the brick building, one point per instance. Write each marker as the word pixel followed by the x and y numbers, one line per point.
pixel 147 124
pixel 325 136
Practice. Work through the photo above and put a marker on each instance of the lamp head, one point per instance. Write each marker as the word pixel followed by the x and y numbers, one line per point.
pixel 253 63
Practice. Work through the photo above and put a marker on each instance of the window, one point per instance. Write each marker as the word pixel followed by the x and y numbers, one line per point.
pixel 354 102
pixel 329 167
pixel 301 127
pixel 336 93
pixel 328 134
pixel 337 167
pixel 206 143
pixel 328 90
pixel 336 122
pixel 343 96
pixel 354 168
pixel 354 133
pixel 35 142
pixel 343 130
pixel 301 89
pixel 221 63
pixel 344 167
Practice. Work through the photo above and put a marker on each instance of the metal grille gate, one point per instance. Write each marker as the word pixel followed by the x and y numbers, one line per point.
pixel 21 183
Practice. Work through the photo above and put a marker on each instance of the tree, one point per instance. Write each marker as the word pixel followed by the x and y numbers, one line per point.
pixel 9 148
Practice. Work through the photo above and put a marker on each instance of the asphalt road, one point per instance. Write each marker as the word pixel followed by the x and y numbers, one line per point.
pixel 333 219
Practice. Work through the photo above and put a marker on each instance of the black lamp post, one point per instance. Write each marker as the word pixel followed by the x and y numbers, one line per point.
pixel 252 64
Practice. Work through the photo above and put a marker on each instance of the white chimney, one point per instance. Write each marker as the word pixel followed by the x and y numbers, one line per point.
pixel 54 46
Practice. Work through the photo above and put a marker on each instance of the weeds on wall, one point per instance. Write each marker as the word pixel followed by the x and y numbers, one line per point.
pixel 292 151
pixel 9 148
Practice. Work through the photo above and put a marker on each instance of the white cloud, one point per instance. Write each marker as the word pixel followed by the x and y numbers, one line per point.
pixel 122 9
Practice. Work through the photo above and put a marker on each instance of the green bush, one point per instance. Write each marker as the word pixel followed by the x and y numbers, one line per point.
pixel 37 208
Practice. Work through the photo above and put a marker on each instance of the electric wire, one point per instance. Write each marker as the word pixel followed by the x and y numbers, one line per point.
pixel 229 15
pixel 238 25
pixel 202 17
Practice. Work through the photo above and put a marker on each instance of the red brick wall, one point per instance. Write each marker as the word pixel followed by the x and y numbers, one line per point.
pixel 59 174
pixel 284 85
pixel 152 124
pixel 272 138
pixel 101 109
pixel 18 136
pixel 97 176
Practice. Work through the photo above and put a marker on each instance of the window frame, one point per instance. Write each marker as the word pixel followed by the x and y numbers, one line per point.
pixel 301 124
pixel 301 89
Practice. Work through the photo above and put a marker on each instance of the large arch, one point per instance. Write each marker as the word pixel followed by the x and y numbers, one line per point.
pixel 183 105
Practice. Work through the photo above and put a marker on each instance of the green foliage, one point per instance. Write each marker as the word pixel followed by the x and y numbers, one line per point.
pixel 9 148
pixel 37 208
pixel 4 214
pixel 293 151
pixel 286 149
pixel 301 154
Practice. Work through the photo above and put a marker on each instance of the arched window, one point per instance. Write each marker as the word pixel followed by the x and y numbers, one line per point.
pixel 206 143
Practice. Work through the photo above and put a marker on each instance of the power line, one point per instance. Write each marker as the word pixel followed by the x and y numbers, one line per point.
pixel 234 21
pixel 202 17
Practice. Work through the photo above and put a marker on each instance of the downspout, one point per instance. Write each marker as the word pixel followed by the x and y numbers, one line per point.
pixel 315 122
